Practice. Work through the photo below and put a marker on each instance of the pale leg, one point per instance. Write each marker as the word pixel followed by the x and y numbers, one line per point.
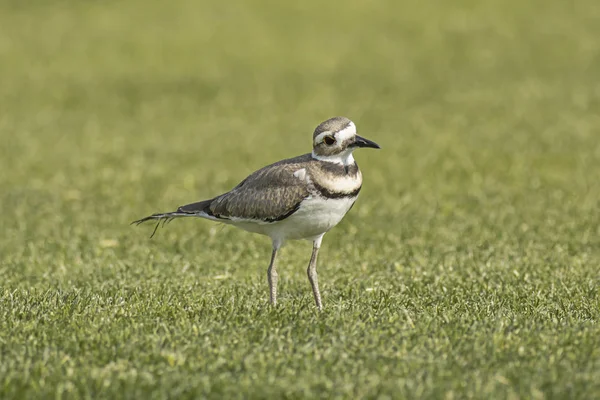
pixel 272 276
pixel 312 272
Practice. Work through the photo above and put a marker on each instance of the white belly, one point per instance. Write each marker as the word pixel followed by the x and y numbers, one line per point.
pixel 315 216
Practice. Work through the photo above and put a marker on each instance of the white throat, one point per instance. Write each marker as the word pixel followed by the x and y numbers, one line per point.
pixel 344 158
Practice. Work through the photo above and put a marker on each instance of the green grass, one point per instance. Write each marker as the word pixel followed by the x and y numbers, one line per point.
pixel 469 268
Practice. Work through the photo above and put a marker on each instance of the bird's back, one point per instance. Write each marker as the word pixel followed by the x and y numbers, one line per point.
pixel 313 194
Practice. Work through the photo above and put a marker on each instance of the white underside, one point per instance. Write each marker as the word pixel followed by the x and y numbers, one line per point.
pixel 315 216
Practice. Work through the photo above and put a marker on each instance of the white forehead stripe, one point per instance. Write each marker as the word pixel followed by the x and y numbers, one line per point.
pixel 346 133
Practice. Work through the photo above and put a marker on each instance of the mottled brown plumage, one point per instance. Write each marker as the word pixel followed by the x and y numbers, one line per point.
pixel 273 193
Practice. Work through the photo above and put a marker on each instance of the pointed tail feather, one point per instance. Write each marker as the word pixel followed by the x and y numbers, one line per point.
pixel 163 218
pixel 200 209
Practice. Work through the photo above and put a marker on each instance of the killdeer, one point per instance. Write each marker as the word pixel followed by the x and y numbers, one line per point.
pixel 298 198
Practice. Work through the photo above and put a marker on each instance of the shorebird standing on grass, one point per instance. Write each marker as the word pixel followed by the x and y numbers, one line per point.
pixel 298 198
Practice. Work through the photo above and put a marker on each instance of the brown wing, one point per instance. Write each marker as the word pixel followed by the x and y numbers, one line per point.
pixel 270 194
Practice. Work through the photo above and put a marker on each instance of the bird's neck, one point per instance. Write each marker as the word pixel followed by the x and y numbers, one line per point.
pixel 344 158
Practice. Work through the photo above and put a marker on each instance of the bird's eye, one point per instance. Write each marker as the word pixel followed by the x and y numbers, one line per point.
pixel 329 140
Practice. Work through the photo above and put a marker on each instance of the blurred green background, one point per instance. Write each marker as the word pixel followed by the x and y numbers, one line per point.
pixel 469 267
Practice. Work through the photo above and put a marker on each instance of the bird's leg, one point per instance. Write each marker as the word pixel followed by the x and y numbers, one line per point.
pixel 312 272
pixel 272 276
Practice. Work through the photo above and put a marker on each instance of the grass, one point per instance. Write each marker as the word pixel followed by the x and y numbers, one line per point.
pixel 469 267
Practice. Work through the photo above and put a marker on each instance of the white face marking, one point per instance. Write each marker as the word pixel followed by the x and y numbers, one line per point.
pixel 346 133
pixel 300 174
pixel 344 158
pixel 321 136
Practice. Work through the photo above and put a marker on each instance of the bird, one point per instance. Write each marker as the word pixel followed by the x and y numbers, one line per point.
pixel 293 199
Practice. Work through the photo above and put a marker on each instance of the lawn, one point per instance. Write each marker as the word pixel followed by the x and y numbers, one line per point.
pixel 469 267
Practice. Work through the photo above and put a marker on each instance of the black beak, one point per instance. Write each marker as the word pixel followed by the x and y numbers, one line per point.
pixel 362 142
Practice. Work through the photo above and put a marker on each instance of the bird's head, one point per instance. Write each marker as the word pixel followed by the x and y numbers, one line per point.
pixel 335 139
